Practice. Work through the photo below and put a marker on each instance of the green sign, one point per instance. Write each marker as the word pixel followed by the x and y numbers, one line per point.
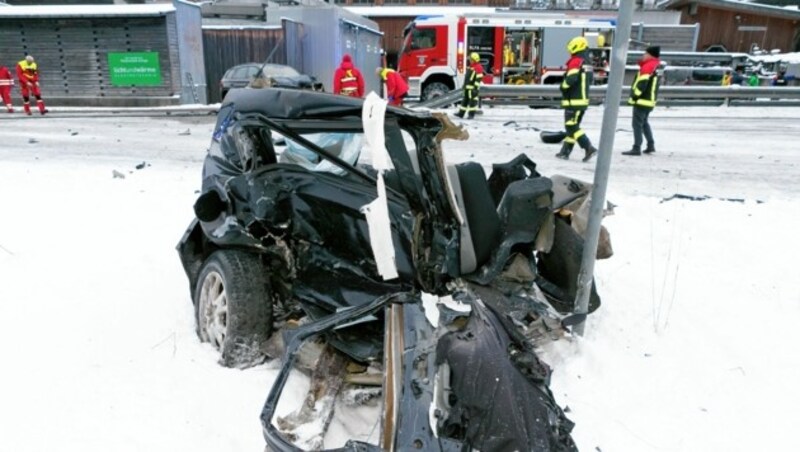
pixel 134 68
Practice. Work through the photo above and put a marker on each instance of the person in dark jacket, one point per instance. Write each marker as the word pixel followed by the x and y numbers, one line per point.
pixel 396 86
pixel 782 79
pixel 347 80
pixel 473 78
pixel 575 100
pixel 644 92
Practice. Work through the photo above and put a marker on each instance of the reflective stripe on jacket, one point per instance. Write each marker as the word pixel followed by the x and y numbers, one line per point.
pixel 348 83
pixel 472 78
pixel 5 77
pixel 27 72
pixel 575 87
pixel 644 90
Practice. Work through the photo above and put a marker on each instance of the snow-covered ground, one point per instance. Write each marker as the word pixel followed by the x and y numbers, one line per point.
pixel 694 348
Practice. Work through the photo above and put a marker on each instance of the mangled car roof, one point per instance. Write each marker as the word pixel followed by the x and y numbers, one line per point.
pixel 298 104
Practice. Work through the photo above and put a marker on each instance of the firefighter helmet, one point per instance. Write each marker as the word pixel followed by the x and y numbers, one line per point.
pixel 577 44
pixel 474 57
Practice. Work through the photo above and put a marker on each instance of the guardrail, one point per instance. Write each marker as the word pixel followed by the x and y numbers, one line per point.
pixel 549 95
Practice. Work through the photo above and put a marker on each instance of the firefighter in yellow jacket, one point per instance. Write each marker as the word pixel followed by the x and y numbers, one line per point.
pixel 644 94
pixel 575 100
pixel 28 76
pixel 473 78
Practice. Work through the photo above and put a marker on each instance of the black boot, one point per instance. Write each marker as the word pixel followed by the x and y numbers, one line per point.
pixel 460 113
pixel 471 115
pixel 566 149
pixel 590 152
pixel 634 151
pixel 650 149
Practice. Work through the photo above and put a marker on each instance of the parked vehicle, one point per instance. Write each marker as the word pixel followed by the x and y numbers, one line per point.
pixel 484 269
pixel 261 75
pixel 513 46
pixel 238 77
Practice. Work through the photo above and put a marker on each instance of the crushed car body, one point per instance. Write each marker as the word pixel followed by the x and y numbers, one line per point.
pixel 485 268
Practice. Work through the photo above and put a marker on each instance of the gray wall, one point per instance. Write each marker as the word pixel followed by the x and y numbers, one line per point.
pixel 671 38
pixel 190 49
pixel 329 33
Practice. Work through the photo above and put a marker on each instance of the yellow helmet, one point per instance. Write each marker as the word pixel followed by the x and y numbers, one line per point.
pixel 577 44
pixel 474 57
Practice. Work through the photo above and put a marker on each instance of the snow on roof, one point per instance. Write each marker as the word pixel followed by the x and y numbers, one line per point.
pixel 154 9
pixel 737 5
pixel 240 27
pixel 414 11
pixel 791 58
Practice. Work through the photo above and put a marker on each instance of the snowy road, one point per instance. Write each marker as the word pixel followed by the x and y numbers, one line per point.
pixel 694 348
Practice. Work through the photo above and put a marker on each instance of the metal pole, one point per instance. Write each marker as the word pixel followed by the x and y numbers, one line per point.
pixel 611 109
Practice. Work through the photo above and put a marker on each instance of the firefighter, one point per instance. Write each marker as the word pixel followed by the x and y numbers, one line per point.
pixel 472 87
pixel 643 99
pixel 347 80
pixel 6 82
pixel 28 76
pixel 396 86
pixel 575 100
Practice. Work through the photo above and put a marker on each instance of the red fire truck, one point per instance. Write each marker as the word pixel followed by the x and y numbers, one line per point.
pixel 515 48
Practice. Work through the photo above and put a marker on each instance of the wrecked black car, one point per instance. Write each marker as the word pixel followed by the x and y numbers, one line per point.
pixel 400 283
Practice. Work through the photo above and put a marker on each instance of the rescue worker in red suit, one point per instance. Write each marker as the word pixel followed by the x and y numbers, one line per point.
pixel 643 99
pixel 575 100
pixel 28 76
pixel 347 80
pixel 6 82
pixel 396 86
pixel 473 78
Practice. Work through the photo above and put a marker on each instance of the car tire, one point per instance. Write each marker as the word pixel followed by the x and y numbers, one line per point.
pixel 233 307
pixel 434 90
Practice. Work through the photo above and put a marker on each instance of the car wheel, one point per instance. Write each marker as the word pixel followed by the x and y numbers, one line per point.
pixel 234 307
pixel 434 90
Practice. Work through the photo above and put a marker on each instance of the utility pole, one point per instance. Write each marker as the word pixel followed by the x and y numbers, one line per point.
pixel 619 55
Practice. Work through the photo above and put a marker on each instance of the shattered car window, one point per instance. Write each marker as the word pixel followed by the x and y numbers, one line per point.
pixel 346 146
pixel 245 148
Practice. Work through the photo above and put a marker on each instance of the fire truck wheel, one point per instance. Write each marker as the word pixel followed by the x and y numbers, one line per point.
pixel 434 90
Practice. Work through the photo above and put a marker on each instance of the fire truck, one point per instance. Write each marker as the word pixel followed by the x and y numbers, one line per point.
pixel 515 48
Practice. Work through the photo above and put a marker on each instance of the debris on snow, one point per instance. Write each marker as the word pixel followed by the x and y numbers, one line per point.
pixel 704 198
pixel 32 140
pixel 117 174
pixel 185 132
pixel 142 165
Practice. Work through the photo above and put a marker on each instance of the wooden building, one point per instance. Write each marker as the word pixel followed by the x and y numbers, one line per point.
pixel 739 26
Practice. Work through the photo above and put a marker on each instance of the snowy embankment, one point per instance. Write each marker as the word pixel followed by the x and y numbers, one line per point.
pixel 692 350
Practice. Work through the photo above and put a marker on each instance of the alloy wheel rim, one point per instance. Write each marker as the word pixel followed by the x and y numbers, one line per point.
pixel 214 309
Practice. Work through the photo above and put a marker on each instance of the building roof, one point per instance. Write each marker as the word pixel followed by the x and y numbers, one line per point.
pixel 52 11
pixel 414 11
pixel 737 5
pixel 217 23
